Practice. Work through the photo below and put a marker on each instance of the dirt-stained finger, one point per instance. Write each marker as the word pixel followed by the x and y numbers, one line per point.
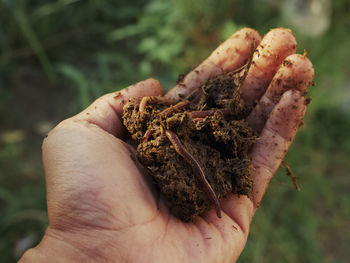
pixel 273 49
pixel 228 56
pixel 107 110
pixel 276 137
pixel 296 72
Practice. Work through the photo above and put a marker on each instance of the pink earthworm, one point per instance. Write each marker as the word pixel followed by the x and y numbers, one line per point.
pixel 197 169
pixel 178 106
pixel 152 99
pixel 205 113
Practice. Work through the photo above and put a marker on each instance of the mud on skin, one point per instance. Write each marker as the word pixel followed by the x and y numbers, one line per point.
pixel 206 129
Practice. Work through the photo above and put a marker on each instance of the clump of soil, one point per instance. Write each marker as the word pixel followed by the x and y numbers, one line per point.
pixel 203 135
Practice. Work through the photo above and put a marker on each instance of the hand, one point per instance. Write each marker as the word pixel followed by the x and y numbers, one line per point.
pixel 101 207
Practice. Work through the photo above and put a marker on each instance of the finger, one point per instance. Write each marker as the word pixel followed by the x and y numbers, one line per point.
pixel 296 72
pixel 106 111
pixel 228 56
pixel 275 139
pixel 273 49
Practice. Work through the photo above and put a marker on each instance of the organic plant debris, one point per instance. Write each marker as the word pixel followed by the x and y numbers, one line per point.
pixel 196 150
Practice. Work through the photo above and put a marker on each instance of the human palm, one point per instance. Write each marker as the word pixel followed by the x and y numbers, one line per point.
pixel 102 206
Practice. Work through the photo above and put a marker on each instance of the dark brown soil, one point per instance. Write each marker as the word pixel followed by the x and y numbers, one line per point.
pixel 210 125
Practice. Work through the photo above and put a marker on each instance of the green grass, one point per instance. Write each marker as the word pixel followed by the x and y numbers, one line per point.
pixel 58 56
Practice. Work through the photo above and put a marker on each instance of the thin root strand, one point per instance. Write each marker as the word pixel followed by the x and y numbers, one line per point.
pixel 291 175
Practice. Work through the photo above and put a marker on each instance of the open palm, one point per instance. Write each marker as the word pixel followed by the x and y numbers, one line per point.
pixel 103 208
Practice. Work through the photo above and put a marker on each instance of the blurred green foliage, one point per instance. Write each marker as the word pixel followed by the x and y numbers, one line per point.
pixel 56 56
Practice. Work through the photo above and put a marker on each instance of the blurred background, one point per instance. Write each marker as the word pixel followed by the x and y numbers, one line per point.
pixel 57 56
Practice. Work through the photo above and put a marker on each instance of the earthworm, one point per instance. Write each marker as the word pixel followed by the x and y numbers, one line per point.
pixel 178 106
pixel 205 113
pixel 152 99
pixel 143 104
pixel 197 169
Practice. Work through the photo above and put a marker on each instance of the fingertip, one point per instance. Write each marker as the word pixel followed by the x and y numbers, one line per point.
pixel 281 37
pixel 296 72
pixel 302 67
pixel 234 52
pixel 154 86
pixel 301 63
pixel 249 34
pixel 275 46
pixel 148 87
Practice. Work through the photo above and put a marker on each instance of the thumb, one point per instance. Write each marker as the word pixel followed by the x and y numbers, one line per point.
pixel 84 165
pixel 106 111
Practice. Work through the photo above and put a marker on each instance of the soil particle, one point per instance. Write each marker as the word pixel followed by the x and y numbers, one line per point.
pixel 308 101
pixel 117 95
pixel 210 126
pixel 180 78
pixel 287 63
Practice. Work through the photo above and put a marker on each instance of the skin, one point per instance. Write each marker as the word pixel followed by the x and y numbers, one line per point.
pixel 101 206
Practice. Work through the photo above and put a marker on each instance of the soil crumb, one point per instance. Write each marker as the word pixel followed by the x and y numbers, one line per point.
pixel 197 149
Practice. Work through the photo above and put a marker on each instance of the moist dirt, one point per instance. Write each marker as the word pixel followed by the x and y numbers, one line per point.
pixel 210 126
